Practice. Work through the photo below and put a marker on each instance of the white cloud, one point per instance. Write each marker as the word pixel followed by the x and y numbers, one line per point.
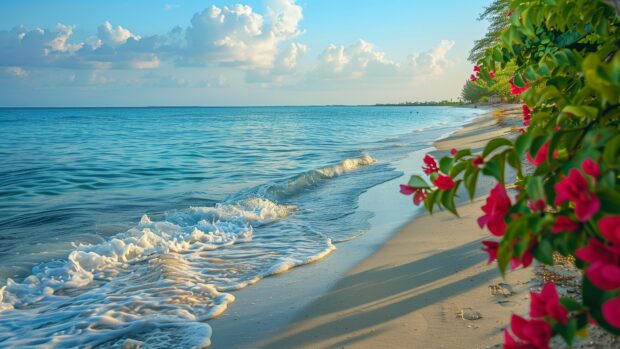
pixel 354 61
pixel 170 7
pixel 114 37
pixel 432 62
pixel 16 71
pixel 239 36
pixel 284 69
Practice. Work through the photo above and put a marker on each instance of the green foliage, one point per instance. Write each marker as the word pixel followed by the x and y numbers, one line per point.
pixel 561 58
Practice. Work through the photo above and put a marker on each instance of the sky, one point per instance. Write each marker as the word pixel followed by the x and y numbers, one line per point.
pixel 243 52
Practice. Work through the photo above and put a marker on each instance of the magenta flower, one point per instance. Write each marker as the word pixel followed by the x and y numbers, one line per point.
pixel 610 228
pixel 478 161
pixel 526 259
pixel 575 188
pixel 491 247
pixel 541 156
pixel 564 223
pixel 492 74
pixel 611 312
pixel 516 90
pixel 473 78
pixel 527 115
pixel 603 269
pixel 444 182
pixel 533 334
pixel 495 209
pixel 419 194
pixel 453 151
pixel 431 165
pixel 537 205
pixel 547 303
pixel 476 68
pixel 591 168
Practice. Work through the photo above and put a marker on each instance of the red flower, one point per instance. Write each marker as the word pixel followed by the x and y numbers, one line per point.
pixel 527 115
pixel 534 334
pixel 521 130
pixel 431 165
pixel 492 74
pixel 610 228
pixel 419 194
pixel 444 182
pixel 537 206
pixel 591 168
pixel 603 270
pixel 478 161
pixel 526 259
pixel 476 68
pixel 563 223
pixel 547 303
pixel 453 151
pixel 516 90
pixel 491 248
pixel 575 188
pixel 495 209
pixel 611 312
pixel 473 78
pixel 541 156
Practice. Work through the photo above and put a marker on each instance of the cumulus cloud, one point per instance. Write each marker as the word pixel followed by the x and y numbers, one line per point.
pixel 432 62
pixel 284 69
pixel 113 47
pixel 239 36
pixel 354 61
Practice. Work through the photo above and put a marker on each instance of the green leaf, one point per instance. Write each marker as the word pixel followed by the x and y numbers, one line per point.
pixel 610 154
pixel 494 144
pixel 445 163
pixel 470 179
pixel 610 200
pixel 543 70
pixel 543 252
pixel 571 304
pixel 447 199
pixel 461 153
pixel 518 80
pixel 495 167
pixel 458 168
pixel 523 143
pixel 582 111
pixel 535 188
pixel 418 182
pixel 429 201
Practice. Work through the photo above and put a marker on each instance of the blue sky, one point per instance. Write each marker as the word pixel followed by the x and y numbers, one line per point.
pixel 252 52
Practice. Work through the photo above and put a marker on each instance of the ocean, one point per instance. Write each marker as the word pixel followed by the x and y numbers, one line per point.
pixel 136 225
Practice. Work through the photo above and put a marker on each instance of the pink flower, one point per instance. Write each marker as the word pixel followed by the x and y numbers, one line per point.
pixel 478 161
pixel 563 223
pixel 453 151
pixel 495 209
pixel 419 194
pixel 473 78
pixel 534 334
pixel 591 168
pixel 575 188
pixel 431 165
pixel 491 248
pixel 537 206
pixel 610 228
pixel 476 68
pixel 444 182
pixel 547 303
pixel 492 74
pixel 541 156
pixel 611 312
pixel 527 115
pixel 556 128
pixel 516 90
pixel 603 270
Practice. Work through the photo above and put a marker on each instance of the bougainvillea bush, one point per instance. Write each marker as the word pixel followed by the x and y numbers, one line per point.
pixel 568 80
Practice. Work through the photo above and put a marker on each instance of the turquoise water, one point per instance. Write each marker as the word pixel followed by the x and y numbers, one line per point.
pixel 136 224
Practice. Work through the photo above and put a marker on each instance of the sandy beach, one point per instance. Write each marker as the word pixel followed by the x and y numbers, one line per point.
pixel 428 286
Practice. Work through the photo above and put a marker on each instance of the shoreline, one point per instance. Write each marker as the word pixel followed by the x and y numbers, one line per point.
pixel 423 283
pixel 262 311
